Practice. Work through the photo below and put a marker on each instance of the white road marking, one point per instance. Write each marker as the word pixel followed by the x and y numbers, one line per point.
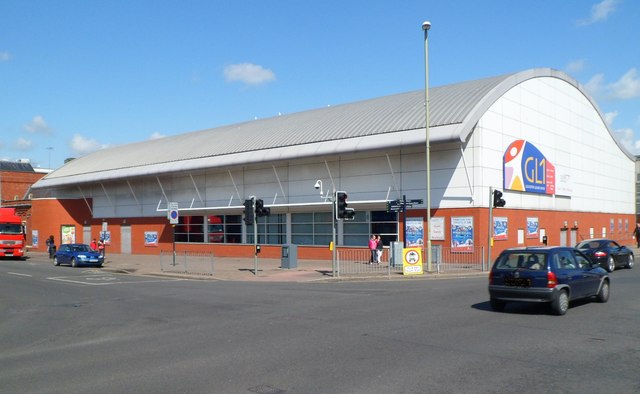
pixel 104 281
pixel 18 274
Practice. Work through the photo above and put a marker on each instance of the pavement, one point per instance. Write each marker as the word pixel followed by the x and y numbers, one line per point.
pixel 243 269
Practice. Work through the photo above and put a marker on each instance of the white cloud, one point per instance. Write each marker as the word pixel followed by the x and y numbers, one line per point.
pixel 156 136
pixel 595 86
pixel 23 144
pixel 81 145
pixel 599 12
pixel 625 88
pixel 37 125
pixel 248 73
pixel 609 117
pixel 575 66
pixel 628 139
pixel 5 56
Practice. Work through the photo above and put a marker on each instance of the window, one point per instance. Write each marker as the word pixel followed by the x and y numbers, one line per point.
pixel 224 229
pixel 358 231
pixel 219 229
pixel 272 230
pixel 311 228
pixel 190 229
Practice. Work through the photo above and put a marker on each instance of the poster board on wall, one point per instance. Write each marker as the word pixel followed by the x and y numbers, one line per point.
pixel 67 234
pixel 462 234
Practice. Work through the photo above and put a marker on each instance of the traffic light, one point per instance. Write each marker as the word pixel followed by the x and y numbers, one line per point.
pixel 498 201
pixel 248 212
pixel 342 211
pixel 261 210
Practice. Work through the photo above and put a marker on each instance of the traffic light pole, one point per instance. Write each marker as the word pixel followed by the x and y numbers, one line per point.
pixel 255 238
pixel 334 221
pixel 490 232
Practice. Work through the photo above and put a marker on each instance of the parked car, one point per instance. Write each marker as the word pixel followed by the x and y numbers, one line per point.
pixel 609 254
pixel 77 254
pixel 554 275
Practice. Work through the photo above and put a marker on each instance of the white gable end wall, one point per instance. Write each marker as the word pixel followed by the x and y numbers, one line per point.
pixel 563 124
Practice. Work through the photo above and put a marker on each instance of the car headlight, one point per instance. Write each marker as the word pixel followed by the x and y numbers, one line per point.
pixel 82 256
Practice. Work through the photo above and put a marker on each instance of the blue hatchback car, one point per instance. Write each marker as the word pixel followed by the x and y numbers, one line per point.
pixel 553 275
pixel 77 254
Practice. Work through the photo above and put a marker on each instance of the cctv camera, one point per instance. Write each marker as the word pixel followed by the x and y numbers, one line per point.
pixel 317 185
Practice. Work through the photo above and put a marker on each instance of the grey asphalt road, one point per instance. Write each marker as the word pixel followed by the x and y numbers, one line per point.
pixel 65 330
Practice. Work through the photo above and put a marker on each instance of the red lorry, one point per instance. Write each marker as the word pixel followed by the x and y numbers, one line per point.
pixel 12 234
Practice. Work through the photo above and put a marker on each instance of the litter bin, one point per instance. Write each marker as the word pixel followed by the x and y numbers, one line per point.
pixel 289 256
pixel 396 258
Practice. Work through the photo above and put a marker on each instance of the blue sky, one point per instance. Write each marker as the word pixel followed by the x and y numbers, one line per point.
pixel 81 75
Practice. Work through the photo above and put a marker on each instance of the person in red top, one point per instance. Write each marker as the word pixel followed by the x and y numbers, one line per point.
pixel 373 246
pixel 94 244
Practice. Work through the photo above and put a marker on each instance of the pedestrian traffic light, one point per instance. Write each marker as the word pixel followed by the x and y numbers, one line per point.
pixel 342 210
pixel 261 210
pixel 248 212
pixel 498 201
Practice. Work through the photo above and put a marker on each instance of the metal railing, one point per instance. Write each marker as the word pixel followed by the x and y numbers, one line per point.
pixel 357 262
pixel 197 263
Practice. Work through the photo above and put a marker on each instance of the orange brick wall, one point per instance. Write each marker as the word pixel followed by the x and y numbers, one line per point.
pixel 48 215
pixel 551 221
pixel 16 184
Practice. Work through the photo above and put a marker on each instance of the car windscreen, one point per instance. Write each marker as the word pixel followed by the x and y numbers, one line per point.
pixel 11 229
pixel 81 248
pixel 522 259
pixel 588 245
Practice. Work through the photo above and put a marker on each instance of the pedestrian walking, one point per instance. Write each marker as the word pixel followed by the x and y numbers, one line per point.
pixel 101 247
pixel 373 246
pixel 636 234
pixel 379 248
pixel 51 246
pixel 94 244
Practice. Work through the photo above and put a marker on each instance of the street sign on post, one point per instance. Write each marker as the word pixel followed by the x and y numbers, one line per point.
pixel 172 213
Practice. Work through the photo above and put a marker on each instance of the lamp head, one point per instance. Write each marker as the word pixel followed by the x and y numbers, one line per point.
pixel 426 25
pixel 318 185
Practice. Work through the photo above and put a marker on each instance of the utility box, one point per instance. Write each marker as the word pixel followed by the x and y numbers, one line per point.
pixel 395 258
pixel 289 256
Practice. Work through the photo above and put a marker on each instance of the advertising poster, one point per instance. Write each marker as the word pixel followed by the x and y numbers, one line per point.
pixel 415 232
pixel 533 228
pixel 437 229
pixel 35 239
pixel 500 227
pixel 462 234
pixel 68 234
pixel 150 238
pixel 105 236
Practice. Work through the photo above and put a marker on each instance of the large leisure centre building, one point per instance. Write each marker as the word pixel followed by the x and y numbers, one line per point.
pixel 535 135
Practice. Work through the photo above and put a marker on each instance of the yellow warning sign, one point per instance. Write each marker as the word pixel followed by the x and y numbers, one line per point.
pixel 412 264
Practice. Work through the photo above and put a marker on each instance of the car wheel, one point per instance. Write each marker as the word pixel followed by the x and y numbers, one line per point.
pixel 55 261
pixel 74 263
pixel 611 264
pixel 603 294
pixel 497 305
pixel 560 305
pixel 630 262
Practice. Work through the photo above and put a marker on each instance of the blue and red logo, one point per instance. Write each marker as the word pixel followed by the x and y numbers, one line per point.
pixel 526 169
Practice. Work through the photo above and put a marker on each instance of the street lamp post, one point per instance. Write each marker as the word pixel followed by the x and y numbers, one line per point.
pixel 49 148
pixel 426 25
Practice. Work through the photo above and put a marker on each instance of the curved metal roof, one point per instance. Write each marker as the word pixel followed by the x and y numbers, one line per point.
pixel 386 122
